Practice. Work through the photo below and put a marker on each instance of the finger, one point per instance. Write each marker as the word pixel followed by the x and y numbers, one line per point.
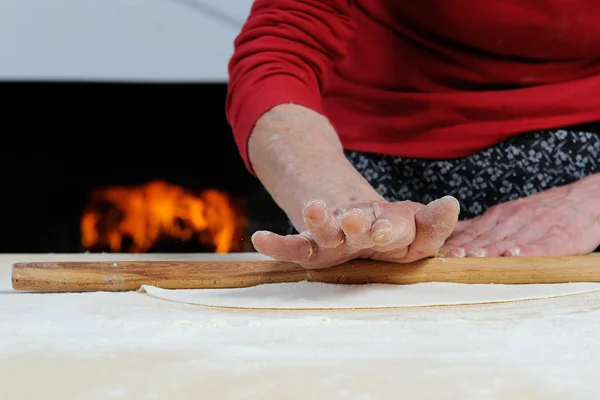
pixel 434 224
pixel 462 234
pixel 461 226
pixel 394 228
pixel 398 214
pixel 494 241
pixel 497 225
pixel 356 225
pixel 471 229
pixel 290 248
pixel 496 249
pixel 523 235
pixel 551 245
pixel 397 221
pixel 451 252
pixel 322 225
pixel 448 249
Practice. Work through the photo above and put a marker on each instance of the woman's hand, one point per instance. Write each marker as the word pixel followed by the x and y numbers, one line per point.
pixel 397 232
pixel 559 222
pixel 297 156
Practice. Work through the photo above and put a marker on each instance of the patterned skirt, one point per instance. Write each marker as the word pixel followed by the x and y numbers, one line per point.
pixel 521 166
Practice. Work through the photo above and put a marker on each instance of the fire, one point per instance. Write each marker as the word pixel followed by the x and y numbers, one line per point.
pixel 149 213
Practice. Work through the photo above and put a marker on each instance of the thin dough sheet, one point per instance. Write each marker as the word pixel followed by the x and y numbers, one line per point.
pixel 322 296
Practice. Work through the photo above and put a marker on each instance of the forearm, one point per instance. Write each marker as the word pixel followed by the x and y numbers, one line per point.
pixel 297 156
pixel 282 55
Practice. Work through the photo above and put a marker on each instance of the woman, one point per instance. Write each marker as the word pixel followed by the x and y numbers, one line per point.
pixel 366 120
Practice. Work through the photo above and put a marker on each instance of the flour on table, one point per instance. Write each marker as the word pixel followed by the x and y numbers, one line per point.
pixel 322 296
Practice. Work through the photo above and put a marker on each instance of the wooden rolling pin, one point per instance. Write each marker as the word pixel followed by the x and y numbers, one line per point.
pixel 124 276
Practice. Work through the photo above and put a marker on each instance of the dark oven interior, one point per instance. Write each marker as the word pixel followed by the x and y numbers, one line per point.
pixel 125 168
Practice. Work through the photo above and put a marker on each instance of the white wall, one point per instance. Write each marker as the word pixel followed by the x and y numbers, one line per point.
pixel 119 40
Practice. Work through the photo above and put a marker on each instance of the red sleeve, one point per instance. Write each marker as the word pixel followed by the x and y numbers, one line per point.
pixel 282 54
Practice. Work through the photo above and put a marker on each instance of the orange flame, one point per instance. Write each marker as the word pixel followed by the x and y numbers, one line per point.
pixel 158 210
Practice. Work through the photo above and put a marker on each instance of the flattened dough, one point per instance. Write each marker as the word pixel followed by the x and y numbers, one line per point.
pixel 321 296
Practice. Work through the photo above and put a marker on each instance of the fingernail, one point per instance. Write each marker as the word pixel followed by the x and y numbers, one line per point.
pixel 476 253
pixel 366 225
pixel 309 220
pixel 513 252
pixel 456 252
pixel 382 224
pixel 315 201
pixel 453 198
pixel 256 233
pixel 382 231
pixel 357 211
pixel 442 198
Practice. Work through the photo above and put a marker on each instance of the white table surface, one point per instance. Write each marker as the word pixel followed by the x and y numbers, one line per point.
pixel 130 345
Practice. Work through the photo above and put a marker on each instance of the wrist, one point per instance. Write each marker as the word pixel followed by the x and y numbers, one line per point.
pixel 297 156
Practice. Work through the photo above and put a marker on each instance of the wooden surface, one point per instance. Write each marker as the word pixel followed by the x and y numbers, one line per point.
pixel 128 275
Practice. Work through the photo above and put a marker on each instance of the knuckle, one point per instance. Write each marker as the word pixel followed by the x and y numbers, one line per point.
pixel 404 209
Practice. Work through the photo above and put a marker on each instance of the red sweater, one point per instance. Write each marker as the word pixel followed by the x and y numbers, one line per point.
pixel 419 78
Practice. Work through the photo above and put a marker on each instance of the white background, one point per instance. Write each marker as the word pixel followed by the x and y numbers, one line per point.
pixel 119 40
